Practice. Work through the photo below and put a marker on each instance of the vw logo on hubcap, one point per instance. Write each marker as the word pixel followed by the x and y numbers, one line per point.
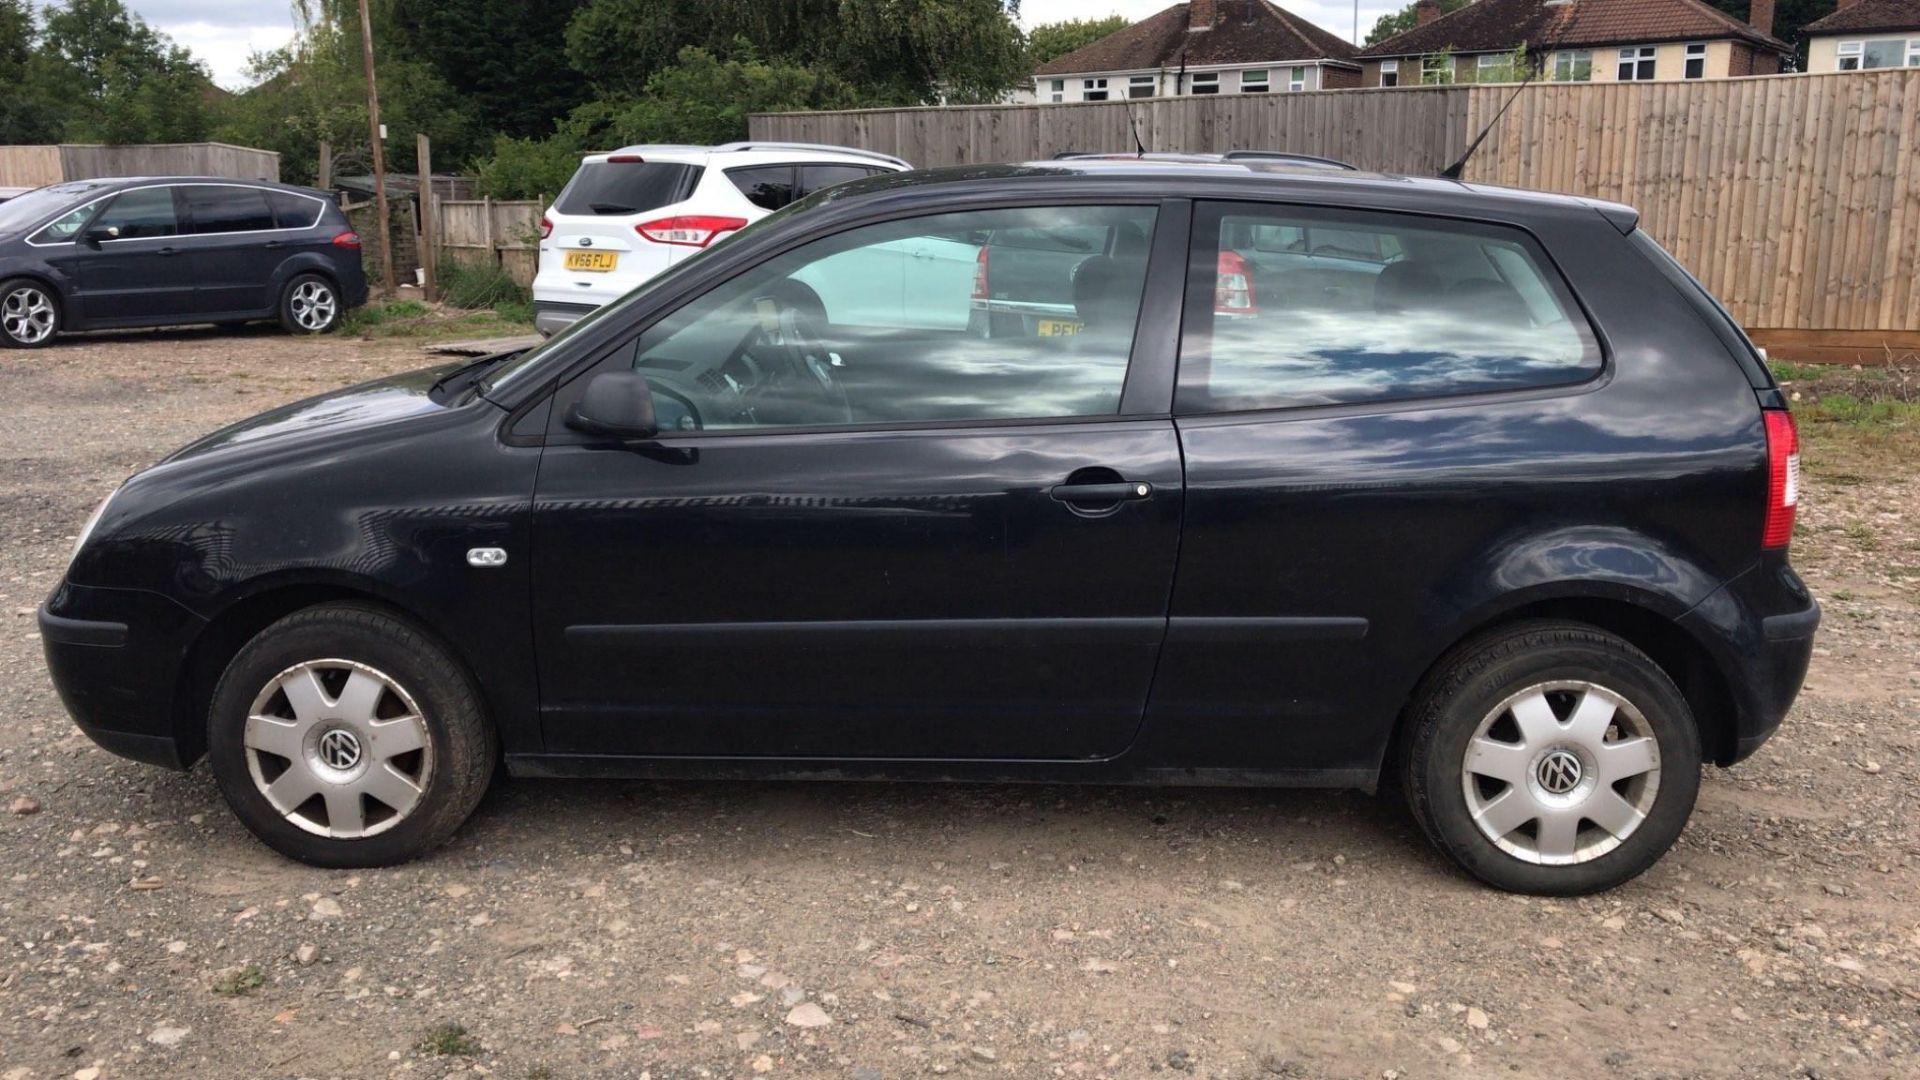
pixel 1559 772
pixel 339 749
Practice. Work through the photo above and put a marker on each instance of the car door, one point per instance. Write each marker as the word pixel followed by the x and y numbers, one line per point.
pixel 126 265
pixel 233 248
pixel 852 541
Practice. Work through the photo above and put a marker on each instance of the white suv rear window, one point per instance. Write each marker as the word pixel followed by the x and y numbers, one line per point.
pixel 626 187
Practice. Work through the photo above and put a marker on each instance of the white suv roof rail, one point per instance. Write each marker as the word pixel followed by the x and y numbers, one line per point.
pixel 851 150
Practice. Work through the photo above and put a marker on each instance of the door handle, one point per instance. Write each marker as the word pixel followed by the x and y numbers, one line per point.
pixel 274 244
pixel 1101 493
pixel 165 251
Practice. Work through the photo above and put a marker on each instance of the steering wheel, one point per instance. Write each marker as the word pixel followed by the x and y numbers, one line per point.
pixel 797 384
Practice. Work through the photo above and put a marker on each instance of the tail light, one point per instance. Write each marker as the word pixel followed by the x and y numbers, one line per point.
pixel 689 230
pixel 1233 286
pixel 1783 478
pixel 980 274
pixel 626 159
pixel 349 240
pixel 546 228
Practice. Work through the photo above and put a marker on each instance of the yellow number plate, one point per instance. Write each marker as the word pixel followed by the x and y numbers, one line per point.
pixel 598 262
pixel 1058 327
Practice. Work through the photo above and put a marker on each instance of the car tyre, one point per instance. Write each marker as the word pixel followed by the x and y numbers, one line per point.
pixel 29 314
pixel 310 304
pixel 1551 758
pixel 345 736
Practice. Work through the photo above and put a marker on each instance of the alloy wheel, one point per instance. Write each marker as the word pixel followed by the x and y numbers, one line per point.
pixel 28 315
pixel 338 748
pixel 313 305
pixel 1561 773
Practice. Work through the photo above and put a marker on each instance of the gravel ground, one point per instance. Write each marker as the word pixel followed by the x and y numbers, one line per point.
pixel 674 931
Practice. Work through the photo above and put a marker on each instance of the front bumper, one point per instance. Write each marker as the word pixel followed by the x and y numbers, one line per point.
pixel 551 317
pixel 116 657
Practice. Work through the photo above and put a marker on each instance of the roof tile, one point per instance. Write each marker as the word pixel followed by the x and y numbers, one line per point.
pixel 1501 25
pixel 1249 32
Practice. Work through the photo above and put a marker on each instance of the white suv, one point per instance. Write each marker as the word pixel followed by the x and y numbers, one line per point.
pixel 627 215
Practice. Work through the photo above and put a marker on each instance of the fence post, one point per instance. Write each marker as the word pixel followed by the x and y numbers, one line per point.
pixel 486 220
pixel 429 228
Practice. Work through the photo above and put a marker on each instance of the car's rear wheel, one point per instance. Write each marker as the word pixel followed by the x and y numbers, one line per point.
pixel 310 305
pixel 1552 758
pixel 29 314
pixel 343 735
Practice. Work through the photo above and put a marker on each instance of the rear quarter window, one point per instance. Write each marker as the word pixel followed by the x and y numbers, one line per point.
pixel 621 187
pixel 292 211
pixel 1293 307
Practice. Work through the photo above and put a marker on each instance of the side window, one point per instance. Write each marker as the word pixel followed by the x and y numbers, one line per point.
pixel 141 213
pixel 1369 307
pixel 815 177
pixel 220 209
pixel 292 211
pixel 923 320
pixel 63 228
pixel 768 187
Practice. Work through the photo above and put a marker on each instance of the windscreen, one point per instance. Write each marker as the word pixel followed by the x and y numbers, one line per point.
pixel 615 187
pixel 19 213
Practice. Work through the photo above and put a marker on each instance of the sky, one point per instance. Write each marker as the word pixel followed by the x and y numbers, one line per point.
pixel 223 33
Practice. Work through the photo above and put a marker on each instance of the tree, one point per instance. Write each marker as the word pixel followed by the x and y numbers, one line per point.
pixel 112 78
pixel 506 58
pixel 703 99
pixel 1405 19
pixel 27 112
pixel 1056 39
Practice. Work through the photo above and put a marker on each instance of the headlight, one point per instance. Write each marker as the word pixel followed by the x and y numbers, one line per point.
pixel 86 531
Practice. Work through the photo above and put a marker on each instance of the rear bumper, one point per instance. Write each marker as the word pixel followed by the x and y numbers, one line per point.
pixel 550 317
pixel 116 657
pixel 1760 628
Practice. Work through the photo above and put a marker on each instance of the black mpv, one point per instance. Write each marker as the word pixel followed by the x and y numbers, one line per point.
pixel 1299 477
pixel 165 251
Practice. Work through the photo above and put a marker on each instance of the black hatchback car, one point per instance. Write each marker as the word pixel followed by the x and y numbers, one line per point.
pixel 1481 495
pixel 161 251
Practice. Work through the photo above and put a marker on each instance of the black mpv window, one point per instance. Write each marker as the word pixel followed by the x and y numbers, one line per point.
pixel 138 214
pixel 1294 306
pixel 292 211
pixel 216 209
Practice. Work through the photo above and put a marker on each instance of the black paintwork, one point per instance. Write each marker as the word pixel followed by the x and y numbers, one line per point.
pixel 180 279
pixel 916 602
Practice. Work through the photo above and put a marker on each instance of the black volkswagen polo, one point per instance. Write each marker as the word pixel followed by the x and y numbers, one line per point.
pixel 1319 479
pixel 163 251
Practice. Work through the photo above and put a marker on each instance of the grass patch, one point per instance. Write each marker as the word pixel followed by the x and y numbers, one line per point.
pixel 449 1040
pixel 1854 420
pixel 413 319
pixel 240 983
pixel 464 285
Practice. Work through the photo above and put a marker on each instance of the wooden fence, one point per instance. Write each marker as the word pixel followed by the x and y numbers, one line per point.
pixel 1796 199
pixel 488 232
pixel 31 166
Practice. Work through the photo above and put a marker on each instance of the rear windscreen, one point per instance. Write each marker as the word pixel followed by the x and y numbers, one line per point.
pixel 626 187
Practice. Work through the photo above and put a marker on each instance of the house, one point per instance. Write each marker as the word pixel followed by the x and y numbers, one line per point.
pixel 1202 47
pixel 1863 35
pixel 1576 41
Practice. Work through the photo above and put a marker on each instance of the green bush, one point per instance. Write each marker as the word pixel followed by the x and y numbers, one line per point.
pixel 465 285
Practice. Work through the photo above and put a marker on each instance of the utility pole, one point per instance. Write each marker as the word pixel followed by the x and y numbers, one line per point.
pixel 429 227
pixel 379 155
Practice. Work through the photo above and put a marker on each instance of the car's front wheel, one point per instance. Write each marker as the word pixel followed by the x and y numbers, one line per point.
pixel 310 305
pixel 29 314
pixel 345 736
pixel 1552 758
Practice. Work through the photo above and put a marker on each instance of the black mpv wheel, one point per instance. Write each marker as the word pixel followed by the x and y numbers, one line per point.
pixel 1552 758
pixel 29 314
pixel 310 305
pixel 343 736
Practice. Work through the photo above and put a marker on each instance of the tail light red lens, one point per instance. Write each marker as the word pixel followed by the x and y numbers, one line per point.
pixel 980 274
pixel 546 228
pixel 1783 478
pixel 347 240
pixel 1233 286
pixel 626 159
pixel 689 230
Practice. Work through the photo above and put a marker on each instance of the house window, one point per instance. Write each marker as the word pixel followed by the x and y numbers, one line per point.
pixel 1436 70
pixel 1849 52
pixel 1493 68
pixel 1140 86
pixel 1206 82
pixel 1868 55
pixel 1253 81
pixel 1093 89
pixel 1636 65
pixel 1389 73
pixel 1298 80
pixel 1575 66
pixel 1696 62
pixel 1058 89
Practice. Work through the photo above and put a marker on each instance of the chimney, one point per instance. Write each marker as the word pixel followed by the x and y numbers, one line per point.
pixel 1760 15
pixel 1202 14
pixel 1426 11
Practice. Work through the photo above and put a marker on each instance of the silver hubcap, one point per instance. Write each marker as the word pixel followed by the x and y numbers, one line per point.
pixel 313 305
pixel 28 316
pixel 1561 772
pixel 338 748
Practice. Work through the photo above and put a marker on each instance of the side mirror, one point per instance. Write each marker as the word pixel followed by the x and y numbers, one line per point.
pixel 616 405
pixel 98 233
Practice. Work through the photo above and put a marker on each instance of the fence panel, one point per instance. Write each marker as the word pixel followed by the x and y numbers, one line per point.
pixel 1796 199
pixel 486 232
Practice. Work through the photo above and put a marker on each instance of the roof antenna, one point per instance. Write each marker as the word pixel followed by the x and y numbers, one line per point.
pixel 1453 171
pixel 1133 126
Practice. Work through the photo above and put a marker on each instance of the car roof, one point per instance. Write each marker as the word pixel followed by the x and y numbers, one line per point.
pixel 115 183
pixel 749 153
pixel 1164 178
